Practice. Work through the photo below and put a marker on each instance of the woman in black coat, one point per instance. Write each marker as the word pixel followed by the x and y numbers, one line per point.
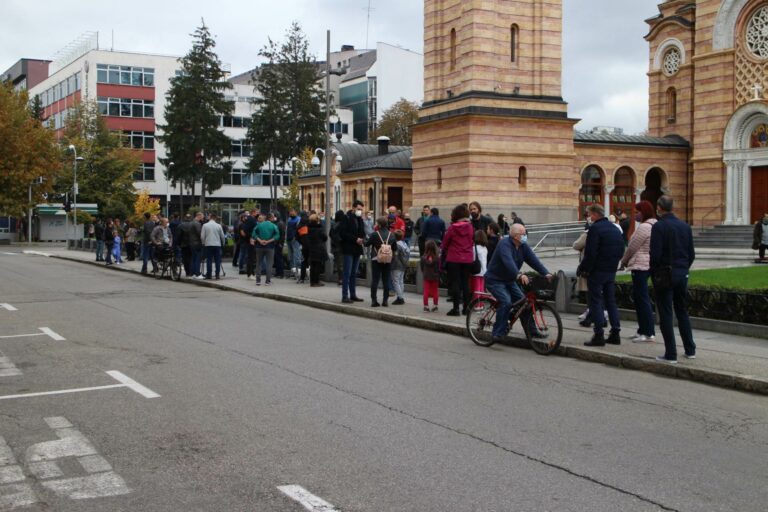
pixel 316 250
pixel 302 232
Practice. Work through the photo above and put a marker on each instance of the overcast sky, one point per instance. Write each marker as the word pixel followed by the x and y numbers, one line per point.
pixel 605 56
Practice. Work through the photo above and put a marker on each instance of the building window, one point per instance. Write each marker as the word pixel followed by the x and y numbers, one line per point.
pixel 145 172
pixel 514 33
pixel 370 198
pixel 235 122
pixel 124 107
pixel 240 148
pixel 125 75
pixel 439 178
pixel 672 59
pixel 671 105
pixel 522 177
pixel 309 202
pixel 138 140
pixel 453 49
pixel 757 34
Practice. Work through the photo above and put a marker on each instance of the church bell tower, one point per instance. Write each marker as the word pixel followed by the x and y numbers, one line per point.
pixel 494 127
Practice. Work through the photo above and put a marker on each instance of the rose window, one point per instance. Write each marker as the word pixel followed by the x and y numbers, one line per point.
pixel 672 61
pixel 757 34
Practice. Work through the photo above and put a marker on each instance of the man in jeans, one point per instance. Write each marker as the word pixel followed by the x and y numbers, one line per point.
pixel 213 239
pixel 352 239
pixel 672 252
pixel 264 238
pixel 146 243
pixel 602 254
pixel 99 232
pixel 294 247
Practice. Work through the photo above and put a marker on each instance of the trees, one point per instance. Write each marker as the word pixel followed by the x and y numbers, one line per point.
pixel 290 115
pixel 396 122
pixel 194 144
pixel 292 193
pixel 28 152
pixel 105 175
pixel 144 204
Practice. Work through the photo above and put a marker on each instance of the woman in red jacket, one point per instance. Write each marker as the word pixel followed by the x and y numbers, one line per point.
pixel 458 253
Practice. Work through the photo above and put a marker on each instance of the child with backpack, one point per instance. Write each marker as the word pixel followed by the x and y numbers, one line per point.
pixel 477 281
pixel 383 247
pixel 430 269
pixel 399 266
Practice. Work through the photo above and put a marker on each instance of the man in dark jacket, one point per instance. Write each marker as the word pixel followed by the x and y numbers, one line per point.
pixel 759 237
pixel 433 228
pixel 418 228
pixel 246 228
pixel 99 232
pixel 352 239
pixel 602 254
pixel 479 221
pixel 672 252
pixel 146 243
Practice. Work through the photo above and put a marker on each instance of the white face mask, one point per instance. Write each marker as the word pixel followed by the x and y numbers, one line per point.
pixel 358 213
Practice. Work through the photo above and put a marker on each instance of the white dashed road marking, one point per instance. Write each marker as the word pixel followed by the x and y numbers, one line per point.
pixel 308 500
pixel 45 332
pixel 125 382
pixel 7 306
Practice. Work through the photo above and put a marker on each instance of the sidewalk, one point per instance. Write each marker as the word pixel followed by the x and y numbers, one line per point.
pixel 722 360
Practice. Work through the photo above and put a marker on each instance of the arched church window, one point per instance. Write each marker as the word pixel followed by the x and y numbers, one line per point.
pixel 591 188
pixel 514 33
pixel 671 105
pixel 453 49
pixel 672 59
pixel 757 33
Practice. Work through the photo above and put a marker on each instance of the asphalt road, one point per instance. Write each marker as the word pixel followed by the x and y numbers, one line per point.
pixel 367 416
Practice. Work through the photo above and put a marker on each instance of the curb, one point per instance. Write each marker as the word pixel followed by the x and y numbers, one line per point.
pixel 729 380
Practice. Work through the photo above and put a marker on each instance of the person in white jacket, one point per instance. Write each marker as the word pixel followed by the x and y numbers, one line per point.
pixel 637 259
pixel 213 240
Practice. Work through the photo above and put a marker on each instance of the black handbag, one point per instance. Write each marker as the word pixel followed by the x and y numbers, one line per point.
pixel 477 266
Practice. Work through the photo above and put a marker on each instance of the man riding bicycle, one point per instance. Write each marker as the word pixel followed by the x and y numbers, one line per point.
pixel 504 272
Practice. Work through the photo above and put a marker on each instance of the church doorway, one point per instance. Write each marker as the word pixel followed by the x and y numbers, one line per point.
pixel 623 194
pixel 591 191
pixel 654 184
pixel 759 197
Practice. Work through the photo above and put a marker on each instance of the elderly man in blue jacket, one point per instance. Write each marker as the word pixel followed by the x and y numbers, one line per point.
pixel 602 254
pixel 504 272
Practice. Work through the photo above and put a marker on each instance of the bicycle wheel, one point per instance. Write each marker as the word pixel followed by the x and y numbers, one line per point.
pixel 175 270
pixel 481 315
pixel 545 329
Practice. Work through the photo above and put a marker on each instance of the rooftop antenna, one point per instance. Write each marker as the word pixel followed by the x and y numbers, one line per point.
pixel 368 24
pixel 113 41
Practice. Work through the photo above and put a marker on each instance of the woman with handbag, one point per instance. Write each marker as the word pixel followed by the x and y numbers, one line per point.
pixel 637 259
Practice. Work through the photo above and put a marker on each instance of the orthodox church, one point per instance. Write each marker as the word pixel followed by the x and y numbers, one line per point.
pixel 495 128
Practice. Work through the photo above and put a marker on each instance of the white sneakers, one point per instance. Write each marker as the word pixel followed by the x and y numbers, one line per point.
pixel 642 338
pixel 663 359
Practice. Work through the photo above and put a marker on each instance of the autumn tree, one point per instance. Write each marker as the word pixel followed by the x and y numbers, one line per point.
pixel 28 152
pixel 144 204
pixel 289 115
pixel 105 175
pixel 198 150
pixel 396 122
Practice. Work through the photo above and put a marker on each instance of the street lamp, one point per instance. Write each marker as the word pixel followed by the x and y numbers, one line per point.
pixel 73 149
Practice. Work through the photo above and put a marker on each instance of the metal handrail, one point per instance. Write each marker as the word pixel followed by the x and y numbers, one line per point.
pixel 556 224
pixel 710 212
pixel 556 232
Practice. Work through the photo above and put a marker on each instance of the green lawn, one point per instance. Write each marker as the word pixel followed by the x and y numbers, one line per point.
pixel 743 278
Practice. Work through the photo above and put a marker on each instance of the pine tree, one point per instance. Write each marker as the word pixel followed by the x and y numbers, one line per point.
pixel 194 144
pixel 36 108
pixel 290 115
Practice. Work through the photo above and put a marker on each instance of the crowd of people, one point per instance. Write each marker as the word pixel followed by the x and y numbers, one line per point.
pixel 474 253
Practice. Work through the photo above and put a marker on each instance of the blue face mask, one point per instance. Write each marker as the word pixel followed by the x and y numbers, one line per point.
pixel 524 239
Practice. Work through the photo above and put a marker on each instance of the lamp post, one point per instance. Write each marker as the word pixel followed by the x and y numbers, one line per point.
pixel 74 188
pixel 327 156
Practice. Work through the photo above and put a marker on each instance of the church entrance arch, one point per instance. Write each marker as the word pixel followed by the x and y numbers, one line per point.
pixel 745 154
pixel 655 185
pixel 623 194
pixel 592 183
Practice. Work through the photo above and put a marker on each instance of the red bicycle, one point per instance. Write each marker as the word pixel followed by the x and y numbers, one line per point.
pixel 539 320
